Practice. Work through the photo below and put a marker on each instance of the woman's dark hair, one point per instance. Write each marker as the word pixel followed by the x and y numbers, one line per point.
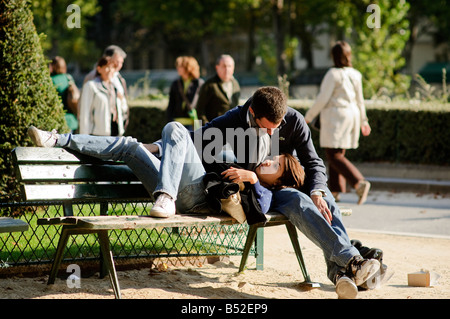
pixel 293 175
pixel 342 54
pixel 59 65
pixel 104 60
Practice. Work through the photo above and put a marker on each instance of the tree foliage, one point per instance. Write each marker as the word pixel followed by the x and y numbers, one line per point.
pixel 309 20
pixel 190 26
pixel 188 19
pixel 378 49
pixel 61 38
pixel 27 94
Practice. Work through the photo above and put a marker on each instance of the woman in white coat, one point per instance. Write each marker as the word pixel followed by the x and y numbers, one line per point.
pixel 340 104
pixel 100 109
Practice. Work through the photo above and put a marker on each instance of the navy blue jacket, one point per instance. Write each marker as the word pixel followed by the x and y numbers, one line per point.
pixel 294 135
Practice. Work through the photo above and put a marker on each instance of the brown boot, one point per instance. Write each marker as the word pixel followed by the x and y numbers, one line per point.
pixel 362 190
pixel 337 196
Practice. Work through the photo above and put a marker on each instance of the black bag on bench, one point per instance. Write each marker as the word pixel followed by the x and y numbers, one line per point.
pixel 216 188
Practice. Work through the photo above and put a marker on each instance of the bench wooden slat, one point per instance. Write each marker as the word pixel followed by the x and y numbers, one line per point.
pixel 133 221
pixel 77 173
pixel 85 191
pixel 9 225
pixel 37 155
pixel 62 220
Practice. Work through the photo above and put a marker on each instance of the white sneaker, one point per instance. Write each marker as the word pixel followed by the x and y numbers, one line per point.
pixel 362 269
pixel 42 138
pixel 346 288
pixel 164 206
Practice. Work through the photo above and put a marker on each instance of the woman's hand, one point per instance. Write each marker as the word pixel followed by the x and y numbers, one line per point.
pixel 322 206
pixel 237 175
pixel 365 130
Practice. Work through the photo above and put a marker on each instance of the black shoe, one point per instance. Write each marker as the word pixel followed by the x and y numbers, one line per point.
pixel 366 252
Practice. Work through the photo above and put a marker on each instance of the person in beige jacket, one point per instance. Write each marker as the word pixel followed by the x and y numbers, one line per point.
pixel 100 109
pixel 340 103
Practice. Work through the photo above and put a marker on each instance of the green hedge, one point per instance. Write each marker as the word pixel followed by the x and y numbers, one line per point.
pixel 147 119
pixel 407 136
pixel 401 132
pixel 27 94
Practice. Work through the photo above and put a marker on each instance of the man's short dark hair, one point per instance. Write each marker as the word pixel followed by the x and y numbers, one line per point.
pixel 269 102
pixel 114 49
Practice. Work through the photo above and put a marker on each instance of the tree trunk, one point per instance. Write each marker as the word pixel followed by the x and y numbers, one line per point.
pixel 277 9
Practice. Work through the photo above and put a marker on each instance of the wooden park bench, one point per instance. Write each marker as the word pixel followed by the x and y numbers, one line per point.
pixel 10 225
pixel 55 174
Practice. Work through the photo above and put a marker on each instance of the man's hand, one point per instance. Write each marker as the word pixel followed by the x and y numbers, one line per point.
pixel 322 206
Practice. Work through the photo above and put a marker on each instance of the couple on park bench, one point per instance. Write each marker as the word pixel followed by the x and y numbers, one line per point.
pixel 172 170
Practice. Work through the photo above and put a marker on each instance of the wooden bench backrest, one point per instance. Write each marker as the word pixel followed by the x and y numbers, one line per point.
pixel 57 174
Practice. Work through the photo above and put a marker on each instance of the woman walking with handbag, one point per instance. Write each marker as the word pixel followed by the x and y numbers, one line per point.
pixel 340 104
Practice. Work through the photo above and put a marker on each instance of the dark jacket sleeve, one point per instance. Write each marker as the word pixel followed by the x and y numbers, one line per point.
pixel 203 100
pixel 263 196
pixel 299 137
pixel 171 107
pixel 211 137
pixel 236 94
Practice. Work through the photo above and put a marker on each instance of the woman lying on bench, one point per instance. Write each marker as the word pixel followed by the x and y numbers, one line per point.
pixel 176 178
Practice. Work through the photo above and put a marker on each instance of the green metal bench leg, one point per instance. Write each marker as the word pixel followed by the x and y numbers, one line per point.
pixel 65 233
pixel 259 247
pixel 298 252
pixel 109 262
pixel 103 269
pixel 248 245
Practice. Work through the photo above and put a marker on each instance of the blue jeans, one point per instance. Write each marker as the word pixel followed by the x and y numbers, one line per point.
pixel 179 173
pixel 332 239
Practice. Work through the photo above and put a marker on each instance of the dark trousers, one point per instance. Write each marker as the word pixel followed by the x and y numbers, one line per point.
pixel 341 170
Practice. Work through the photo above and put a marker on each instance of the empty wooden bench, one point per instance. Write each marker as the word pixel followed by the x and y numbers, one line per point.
pixel 55 174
